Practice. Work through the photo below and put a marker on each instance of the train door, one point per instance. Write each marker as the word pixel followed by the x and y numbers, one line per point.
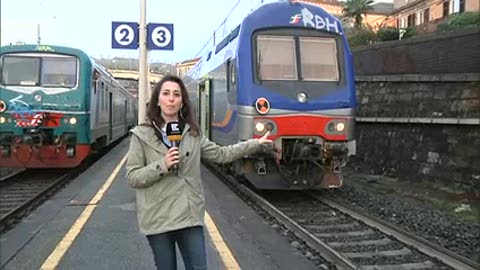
pixel 110 116
pixel 204 106
pixel 94 92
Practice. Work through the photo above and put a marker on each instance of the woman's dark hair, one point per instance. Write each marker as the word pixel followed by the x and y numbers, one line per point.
pixel 185 115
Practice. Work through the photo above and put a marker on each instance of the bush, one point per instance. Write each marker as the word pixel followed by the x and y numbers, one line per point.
pixel 360 36
pixel 387 33
pixel 459 21
pixel 408 32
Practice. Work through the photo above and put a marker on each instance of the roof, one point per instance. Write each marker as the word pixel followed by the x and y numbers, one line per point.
pixel 382 7
pixel 189 61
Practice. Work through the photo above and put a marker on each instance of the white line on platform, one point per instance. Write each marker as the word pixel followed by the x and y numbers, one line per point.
pixel 52 261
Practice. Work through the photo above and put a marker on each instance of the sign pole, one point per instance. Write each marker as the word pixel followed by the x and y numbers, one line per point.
pixel 143 84
pixel 132 35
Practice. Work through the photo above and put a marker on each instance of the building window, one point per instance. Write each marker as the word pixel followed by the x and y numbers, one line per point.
pixel 462 6
pixel 411 20
pixel 426 15
pixel 446 8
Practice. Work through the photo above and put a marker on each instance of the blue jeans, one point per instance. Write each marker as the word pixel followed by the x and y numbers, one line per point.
pixel 191 243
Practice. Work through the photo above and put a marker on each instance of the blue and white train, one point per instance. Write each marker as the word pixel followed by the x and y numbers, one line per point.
pixel 286 68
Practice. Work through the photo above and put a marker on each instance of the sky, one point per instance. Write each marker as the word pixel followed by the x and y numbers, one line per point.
pixel 87 24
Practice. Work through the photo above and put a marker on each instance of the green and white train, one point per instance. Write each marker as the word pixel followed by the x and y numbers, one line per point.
pixel 57 105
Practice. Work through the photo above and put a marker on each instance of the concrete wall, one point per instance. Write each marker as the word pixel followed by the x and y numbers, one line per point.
pixel 420 126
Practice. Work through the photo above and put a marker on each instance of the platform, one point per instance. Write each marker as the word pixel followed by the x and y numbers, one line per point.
pixel 108 238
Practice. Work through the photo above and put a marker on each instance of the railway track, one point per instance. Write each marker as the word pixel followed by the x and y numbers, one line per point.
pixel 345 237
pixel 21 192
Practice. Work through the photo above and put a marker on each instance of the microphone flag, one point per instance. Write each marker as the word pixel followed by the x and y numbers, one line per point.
pixel 174 135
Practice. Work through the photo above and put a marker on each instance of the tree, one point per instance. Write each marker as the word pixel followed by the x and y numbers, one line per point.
pixel 355 9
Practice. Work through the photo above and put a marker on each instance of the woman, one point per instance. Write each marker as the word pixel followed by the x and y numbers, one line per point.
pixel 171 207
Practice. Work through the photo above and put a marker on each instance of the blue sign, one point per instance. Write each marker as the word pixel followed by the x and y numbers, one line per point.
pixel 124 35
pixel 160 36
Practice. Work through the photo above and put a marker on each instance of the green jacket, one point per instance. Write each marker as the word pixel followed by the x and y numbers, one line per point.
pixel 166 202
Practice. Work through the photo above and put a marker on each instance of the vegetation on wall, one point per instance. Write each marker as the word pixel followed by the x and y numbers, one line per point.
pixel 359 34
pixel 460 21
pixel 365 35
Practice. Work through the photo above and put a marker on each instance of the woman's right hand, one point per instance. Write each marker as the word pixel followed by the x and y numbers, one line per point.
pixel 172 157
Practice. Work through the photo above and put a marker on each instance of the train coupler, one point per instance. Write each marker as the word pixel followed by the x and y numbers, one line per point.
pixel 336 166
pixel 261 167
pixel 331 180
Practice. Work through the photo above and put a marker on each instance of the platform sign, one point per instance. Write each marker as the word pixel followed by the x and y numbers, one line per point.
pixel 160 36
pixel 124 35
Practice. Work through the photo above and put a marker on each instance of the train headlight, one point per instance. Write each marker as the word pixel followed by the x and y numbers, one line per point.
pixel 340 127
pixel 302 97
pixel 38 97
pixel 270 127
pixel 72 121
pixel 336 126
pixel 3 106
pixel 331 127
pixel 2 120
pixel 260 127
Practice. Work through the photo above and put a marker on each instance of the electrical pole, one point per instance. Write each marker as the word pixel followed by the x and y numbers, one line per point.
pixel 38 34
pixel 143 84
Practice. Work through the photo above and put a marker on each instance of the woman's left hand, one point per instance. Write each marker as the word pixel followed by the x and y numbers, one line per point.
pixel 264 139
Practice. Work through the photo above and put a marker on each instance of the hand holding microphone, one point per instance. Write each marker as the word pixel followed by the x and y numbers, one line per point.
pixel 174 135
pixel 172 157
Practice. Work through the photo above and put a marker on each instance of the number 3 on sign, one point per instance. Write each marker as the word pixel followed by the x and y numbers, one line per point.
pixel 161 36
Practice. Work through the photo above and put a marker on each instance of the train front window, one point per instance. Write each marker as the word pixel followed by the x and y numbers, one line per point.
pixel 276 58
pixel 318 58
pixel 47 70
pixel 20 71
pixel 61 71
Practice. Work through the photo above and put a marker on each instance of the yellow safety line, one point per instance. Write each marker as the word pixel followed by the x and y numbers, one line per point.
pixel 52 261
pixel 225 253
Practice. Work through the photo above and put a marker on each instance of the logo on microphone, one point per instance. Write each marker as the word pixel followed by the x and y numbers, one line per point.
pixel 173 131
pixel 175 127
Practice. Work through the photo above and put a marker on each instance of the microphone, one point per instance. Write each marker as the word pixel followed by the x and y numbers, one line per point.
pixel 174 135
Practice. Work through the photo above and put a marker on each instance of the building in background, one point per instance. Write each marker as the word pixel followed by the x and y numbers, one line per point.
pixel 378 16
pixel 185 66
pixel 129 79
pixel 425 14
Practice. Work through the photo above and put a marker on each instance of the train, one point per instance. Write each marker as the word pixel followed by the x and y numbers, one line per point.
pixel 57 106
pixel 287 68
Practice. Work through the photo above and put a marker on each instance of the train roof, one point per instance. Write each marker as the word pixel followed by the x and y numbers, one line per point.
pixel 26 48
pixel 43 48
pixel 269 15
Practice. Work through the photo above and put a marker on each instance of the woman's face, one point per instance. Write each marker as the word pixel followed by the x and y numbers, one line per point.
pixel 170 100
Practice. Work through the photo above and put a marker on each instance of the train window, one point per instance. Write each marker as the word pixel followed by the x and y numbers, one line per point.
pixel 233 73
pixel 59 71
pixel 19 70
pixel 230 75
pixel 95 77
pixel 276 58
pixel 318 59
